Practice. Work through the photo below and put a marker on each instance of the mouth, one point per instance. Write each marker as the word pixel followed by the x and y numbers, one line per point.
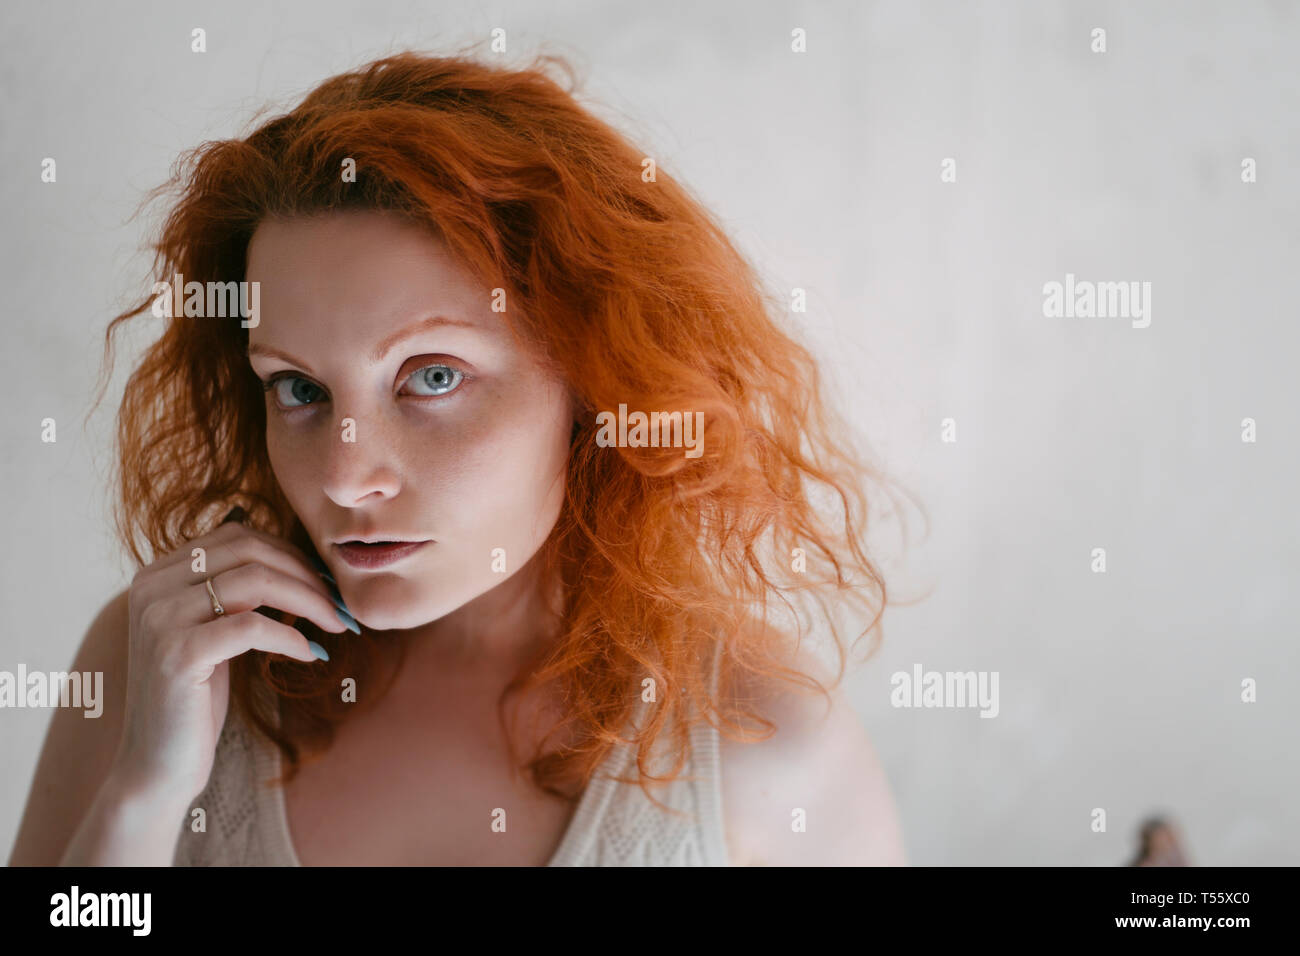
pixel 376 554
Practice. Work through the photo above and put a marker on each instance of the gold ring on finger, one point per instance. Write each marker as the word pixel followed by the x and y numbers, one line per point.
pixel 217 609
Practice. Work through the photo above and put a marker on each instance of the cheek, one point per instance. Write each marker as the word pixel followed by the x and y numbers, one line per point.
pixel 290 461
pixel 506 488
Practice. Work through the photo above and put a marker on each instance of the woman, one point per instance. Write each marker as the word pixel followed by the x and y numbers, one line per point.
pixel 452 550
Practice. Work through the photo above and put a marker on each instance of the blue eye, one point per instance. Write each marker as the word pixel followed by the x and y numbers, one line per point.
pixel 298 393
pixel 435 379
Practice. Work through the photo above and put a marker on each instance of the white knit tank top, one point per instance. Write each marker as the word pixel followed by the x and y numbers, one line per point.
pixel 615 824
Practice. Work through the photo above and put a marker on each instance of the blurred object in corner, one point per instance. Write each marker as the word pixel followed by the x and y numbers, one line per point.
pixel 1160 845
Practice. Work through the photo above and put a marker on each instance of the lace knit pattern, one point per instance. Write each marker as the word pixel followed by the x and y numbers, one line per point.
pixel 615 824
pixel 238 812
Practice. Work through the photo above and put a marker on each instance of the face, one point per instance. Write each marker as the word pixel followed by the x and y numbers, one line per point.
pixel 400 409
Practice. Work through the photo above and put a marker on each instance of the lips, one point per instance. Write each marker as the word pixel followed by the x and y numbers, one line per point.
pixel 376 554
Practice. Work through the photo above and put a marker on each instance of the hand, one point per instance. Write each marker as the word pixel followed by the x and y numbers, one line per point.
pixel 178 675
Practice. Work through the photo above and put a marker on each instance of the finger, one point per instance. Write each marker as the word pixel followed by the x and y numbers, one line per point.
pixel 240 544
pixel 211 643
pixel 247 549
pixel 250 586
pixel 183 554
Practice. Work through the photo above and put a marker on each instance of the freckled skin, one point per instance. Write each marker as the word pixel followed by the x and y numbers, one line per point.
pixel 477 468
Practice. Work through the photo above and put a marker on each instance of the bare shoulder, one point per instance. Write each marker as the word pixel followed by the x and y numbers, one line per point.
pixel 812 794
pixel 78 752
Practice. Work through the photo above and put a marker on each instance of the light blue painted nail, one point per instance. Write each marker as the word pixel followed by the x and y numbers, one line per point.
pixel 337 598
pixel 348 619
pixel 319 652
pixel 321 568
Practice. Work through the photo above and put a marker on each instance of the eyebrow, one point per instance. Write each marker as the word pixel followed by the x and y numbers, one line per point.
pixel 382 349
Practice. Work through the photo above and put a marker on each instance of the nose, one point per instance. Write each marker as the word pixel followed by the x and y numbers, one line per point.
pixel 360 471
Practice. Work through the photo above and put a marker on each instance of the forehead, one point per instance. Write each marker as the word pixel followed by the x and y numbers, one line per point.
pixel 370 271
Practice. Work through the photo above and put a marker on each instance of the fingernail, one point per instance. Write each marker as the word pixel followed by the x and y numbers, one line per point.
pixel 341 609
pixel 321 568
pixel 338 602
pixel 319 652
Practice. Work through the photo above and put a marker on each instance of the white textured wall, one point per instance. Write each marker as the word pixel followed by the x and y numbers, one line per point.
pixel 1118 690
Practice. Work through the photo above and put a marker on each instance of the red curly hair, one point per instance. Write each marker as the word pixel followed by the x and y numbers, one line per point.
pixel 632 291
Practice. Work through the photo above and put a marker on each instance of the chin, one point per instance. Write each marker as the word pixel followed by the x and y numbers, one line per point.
pixel 387 604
